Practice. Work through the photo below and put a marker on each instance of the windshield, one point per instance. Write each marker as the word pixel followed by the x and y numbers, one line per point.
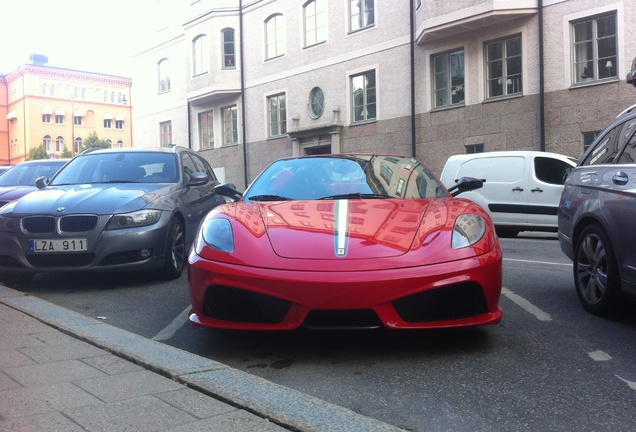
pixel 25 174
pixel 124 167
pixel 345 177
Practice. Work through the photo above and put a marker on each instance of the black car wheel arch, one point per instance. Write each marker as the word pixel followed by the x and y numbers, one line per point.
pixel 175 255
pixel 595 272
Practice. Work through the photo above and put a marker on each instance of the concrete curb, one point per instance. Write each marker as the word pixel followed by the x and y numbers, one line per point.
pixel 286 407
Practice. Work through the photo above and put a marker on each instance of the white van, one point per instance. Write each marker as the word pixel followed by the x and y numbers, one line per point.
pixel 521 189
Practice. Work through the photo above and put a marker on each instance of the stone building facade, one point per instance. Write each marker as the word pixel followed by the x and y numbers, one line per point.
pixel 247 82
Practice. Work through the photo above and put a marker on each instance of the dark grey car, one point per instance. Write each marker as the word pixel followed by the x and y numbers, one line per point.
pixel 110 210
pixel 596 217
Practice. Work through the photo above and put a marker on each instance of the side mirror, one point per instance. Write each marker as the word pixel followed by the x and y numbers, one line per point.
pixel 228 190
pixel 198 179
pixel 465 184
pixel 41 182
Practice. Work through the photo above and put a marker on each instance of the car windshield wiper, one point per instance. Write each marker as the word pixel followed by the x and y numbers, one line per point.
pixel 268 198
pixel 355 195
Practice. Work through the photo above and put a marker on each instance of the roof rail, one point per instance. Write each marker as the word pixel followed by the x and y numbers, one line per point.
pixel 627 110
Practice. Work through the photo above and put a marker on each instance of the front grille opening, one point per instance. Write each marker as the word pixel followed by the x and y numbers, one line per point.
pixel 78 223
pixel 39 224
pixel 342 319
pixel 441 304
pixel 237 305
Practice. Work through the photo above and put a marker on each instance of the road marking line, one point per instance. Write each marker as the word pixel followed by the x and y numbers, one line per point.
pixel 538 262
pixel 600 356
pixel 172 328
pixel 526 305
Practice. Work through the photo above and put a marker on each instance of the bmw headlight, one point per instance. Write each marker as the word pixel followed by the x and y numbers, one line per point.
pixel 468 230
pixel 218 234
pixel 134 219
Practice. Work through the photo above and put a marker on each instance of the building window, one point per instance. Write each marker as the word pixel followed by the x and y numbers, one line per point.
pixel 59 119
pixel 363 97
pixel 108 123
pixel 44 88
pixel 588 139
pixel 78 120
pixel 230 125
pixel 274 37
pixel 52 90
pixel 165 131
pixel 46 118
pixel 119 124
pixel 503 67
pixel 474 148
pixel 316 102
pixel 48 144
pixel 206 129
pixel 200 57
pixel 362 14
pixel 315 22
pixel 119 144
pixel 78 145
pixel 448 79
pixel 229 53
pixel 164 75
pixel 594 45
pixel 277 110
pixel 59 144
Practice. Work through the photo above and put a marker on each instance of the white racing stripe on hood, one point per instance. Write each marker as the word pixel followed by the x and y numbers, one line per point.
pixel 341 228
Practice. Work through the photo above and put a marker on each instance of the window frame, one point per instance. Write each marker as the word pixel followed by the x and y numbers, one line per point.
pixel 229 58
pixel 581 72
pixel 206 129
pixel 200 55
pixel 232 131
pixel 163 67
pixel 448 90
pixel 165 133
pixel 275 31
pixel 277 127
pixel 508 89
pixel 366 16
pixel 366 95
pixel 317 32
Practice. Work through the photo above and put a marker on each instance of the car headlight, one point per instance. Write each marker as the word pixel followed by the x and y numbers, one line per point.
pixel 6 224
pixel 218 234
pixel 134 219
pixel 468 230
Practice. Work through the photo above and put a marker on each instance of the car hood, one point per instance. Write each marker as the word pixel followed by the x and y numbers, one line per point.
pixel 10 193
pixel 355 229
pixel 95 199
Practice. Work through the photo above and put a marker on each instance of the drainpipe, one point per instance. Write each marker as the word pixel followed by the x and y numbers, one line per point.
pixel 189 126
pixel 541 80
pixel 412 23
pixel 243 123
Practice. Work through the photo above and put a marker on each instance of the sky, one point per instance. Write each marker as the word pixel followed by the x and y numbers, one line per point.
pixel 87 35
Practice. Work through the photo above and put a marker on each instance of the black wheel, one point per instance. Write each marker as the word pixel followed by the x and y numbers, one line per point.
pixel 175 251
pixel 595 272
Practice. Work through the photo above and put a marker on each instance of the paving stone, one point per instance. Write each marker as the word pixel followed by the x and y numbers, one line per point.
pixel 53 422
pixel 127 386
pixel 236 421
pixel 6 382
pixel 43 399
pixel 145 413
pixel 196 403
pixel 50 373
pixel 111 364
pixel 12 357
pixel 59 352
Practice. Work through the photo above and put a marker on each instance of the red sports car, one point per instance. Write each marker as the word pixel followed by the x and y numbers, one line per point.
pixel 346 241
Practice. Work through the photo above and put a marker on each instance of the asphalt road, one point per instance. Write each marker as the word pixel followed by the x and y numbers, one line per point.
pixel 548 366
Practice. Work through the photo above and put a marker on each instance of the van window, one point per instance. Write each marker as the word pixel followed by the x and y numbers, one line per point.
pixel 549 170
pixel 506 169
pixel 476 168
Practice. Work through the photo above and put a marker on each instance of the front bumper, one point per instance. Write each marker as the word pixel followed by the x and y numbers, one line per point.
pixel 453 294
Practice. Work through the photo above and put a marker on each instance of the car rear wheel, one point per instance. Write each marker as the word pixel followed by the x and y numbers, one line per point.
pixel 175 251
pixel 595 272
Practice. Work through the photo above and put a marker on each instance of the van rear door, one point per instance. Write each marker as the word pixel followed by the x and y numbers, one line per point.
pixel 545 188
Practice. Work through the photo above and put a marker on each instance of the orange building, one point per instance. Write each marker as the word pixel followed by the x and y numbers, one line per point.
pixel 60 108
